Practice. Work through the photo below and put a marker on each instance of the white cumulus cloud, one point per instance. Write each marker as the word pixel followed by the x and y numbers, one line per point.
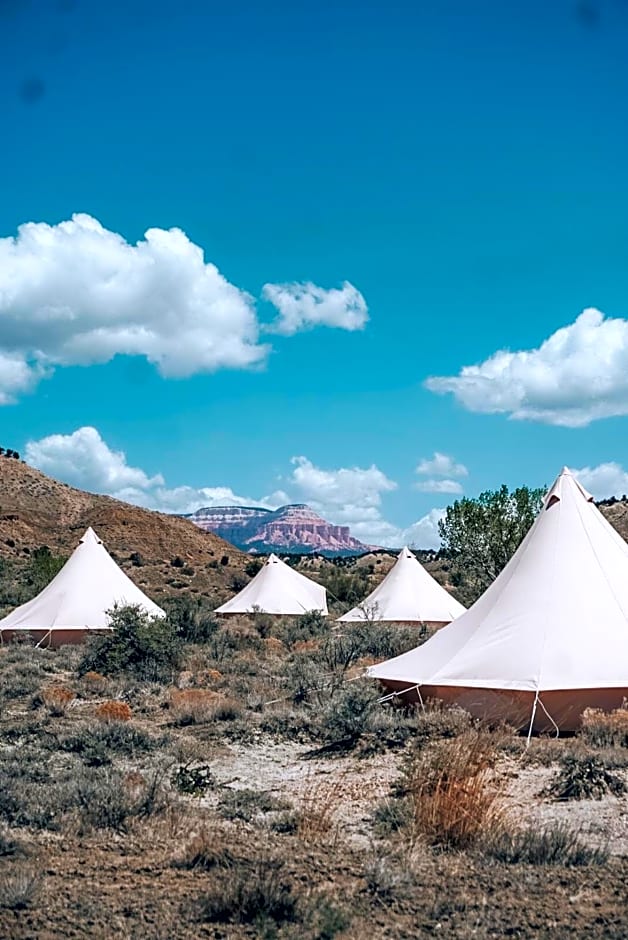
pixel 441 465
pixel 85 460
pixel 439 486
pixel 576 376
pixel 77 294
pixel 607 479
pixel 302 306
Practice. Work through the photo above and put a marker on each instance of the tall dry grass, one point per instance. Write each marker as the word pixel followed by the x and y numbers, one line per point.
pixel 455 800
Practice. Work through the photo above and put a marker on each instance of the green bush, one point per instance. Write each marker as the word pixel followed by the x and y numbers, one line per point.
pixel 96 743
pixel 554 845
pixel 249 894
pixel 585 778
pixel 191 618
pixel 145 647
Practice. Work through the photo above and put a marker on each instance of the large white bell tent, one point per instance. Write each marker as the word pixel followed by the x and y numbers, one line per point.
pixel 277 589
pixel 408 594
pixel 77 600
pixel 549 637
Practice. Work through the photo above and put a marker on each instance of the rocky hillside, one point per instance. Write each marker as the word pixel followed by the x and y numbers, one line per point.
pixel 295 528
pixel 163 554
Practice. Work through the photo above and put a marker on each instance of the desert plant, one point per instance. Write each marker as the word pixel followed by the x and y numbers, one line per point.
pixel 257 893
pixel 392 814
pixel 138 645
pixel 605 729
pixel 388 877
pixel 191 618
pixel 20 886
pixel 317 809
pixel 455 802
pixel 203 853
pixel 96 743
pixel 584 778
pixel 57 699
pixel 106 799
pixel 193 779
pixel 113 710
pixel 246 804
pixel 348 715
pixel 553 845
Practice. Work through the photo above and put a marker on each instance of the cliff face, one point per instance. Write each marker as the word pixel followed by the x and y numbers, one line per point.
pixel 295 528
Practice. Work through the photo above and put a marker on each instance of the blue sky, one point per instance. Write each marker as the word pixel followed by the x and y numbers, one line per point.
pixel 460 166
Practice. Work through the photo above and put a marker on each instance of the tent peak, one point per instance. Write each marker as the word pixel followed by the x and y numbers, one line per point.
pixel 90 536
pixel 566 478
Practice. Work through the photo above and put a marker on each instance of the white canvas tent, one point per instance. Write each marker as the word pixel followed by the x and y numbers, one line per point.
pixel 76 600
pixel 408 594
pixel 278 589
pixel 548 638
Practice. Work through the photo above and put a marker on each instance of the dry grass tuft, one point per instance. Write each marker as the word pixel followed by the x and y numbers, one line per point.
pixel 318 809
pixel 454 798
pixel 20 887
pixel 57 699
pixel 114 710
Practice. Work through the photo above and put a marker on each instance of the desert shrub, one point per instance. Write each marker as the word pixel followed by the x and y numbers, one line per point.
pixel 193 779
pixel 346 589
pixel 138 645
pixel 191 618
pixel 105 799
pixel 200 706
pixel 95 682
pixel 203 853
pixel 308 626
pixel 584 778
pixel 95 743
pixel 605 729
pixel 57 699
pixel 454 800
pixel 349 714
pixel 437 721
pixel 287 823
pixel 249 894
pixel 391 815
pixel 289 724
pixel 9 846
pixel 554 845
pixel 20 886
pixel 383 641
pixel 388 877
pixel 318 807
pixel 29 795
pixel 113 710
pixel 253 567
pixel 246 804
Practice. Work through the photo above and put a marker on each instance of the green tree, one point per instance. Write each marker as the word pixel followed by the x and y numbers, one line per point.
pixel 480 536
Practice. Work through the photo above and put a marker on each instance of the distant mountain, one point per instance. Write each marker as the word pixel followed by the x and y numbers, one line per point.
pixel 295 528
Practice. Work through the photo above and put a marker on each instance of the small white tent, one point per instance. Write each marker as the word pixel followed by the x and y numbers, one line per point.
pixel 548 638
pixel 278 589
pixel 77 599
pixel 408 594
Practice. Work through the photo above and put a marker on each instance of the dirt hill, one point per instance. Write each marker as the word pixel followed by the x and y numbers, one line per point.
pixel 162 554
